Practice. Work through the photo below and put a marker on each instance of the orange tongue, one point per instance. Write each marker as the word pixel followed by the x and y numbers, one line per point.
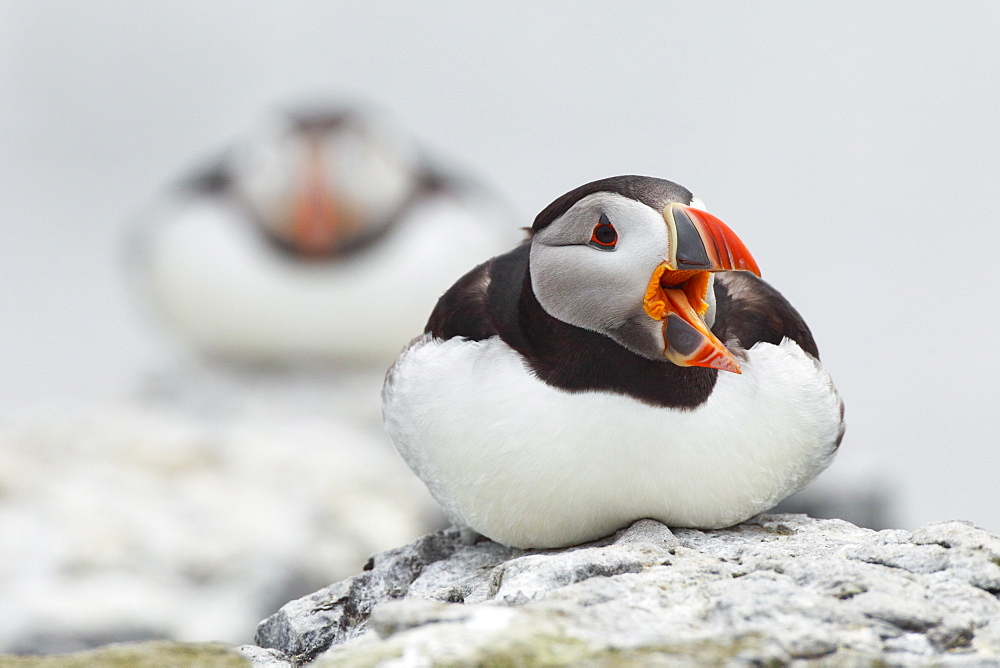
pixel 687 339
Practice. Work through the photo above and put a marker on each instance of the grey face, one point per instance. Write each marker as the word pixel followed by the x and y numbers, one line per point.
pixel 364 165
pixel 584 284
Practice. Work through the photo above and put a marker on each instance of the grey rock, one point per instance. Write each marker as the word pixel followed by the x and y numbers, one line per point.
pixel 162 654
pixel 264 658
pixel 776 589
pixel 191 515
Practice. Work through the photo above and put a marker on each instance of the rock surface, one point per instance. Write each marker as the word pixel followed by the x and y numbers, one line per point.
pixel 777 589
pixel 132 655
pixel 195 508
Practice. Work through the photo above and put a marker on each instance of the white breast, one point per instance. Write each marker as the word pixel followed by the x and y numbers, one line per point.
pixel 225 287
pixel 530 465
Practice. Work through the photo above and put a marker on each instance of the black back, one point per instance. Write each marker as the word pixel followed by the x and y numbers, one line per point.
pixel 749 310
pixel 496 299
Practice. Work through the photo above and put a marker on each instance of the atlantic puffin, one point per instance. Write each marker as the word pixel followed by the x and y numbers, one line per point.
pixel 325 234
pixel 626 361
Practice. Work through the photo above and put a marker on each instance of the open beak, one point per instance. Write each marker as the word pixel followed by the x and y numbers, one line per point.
pixel 700 244
pixel 318 223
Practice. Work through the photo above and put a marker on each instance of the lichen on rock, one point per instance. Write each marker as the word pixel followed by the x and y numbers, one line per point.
pixel 776 589
pixel 162 654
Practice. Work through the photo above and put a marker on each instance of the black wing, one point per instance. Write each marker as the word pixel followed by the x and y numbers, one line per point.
pixel 749 310
pixel 462 310
pixel 484 302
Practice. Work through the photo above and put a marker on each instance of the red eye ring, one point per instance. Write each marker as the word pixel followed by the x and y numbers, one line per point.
pixel 604 236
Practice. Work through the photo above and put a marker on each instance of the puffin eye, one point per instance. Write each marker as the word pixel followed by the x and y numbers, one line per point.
pixel 604 236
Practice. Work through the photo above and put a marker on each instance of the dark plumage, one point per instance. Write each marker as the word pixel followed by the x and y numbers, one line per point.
pixel 496 298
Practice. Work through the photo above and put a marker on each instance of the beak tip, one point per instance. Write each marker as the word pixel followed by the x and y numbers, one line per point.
pixel 705 239
pixel 726 362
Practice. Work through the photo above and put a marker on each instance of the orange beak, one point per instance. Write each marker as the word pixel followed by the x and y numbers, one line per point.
pixel 318 223
pixel 700 244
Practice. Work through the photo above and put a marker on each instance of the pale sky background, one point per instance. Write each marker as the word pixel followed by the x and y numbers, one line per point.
pixel 853 146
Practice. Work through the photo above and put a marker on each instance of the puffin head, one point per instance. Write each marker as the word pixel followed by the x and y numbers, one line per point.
pixel 632 257
pixel 318 180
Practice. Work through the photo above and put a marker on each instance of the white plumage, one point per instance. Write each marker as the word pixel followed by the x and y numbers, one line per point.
pixel 322 235
pixel 531 465
pixel 224 285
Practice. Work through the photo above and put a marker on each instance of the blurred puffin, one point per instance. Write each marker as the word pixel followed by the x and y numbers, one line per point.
pixel 326 234
pixel 625 362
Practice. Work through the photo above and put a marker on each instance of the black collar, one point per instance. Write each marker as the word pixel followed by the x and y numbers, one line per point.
pixel 576 359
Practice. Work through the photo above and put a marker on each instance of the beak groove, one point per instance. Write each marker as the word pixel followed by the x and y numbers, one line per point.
pixel 700 243
pixel 703 242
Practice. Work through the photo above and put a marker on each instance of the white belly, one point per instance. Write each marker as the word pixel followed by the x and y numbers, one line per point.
pixel 230 292
pixel 530 465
